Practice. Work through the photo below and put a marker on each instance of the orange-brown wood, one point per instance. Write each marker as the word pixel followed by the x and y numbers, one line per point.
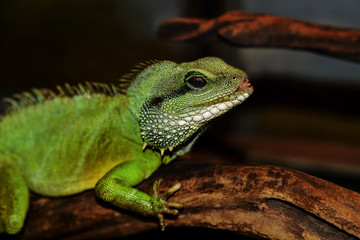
pixel 259 201
pixel 251 29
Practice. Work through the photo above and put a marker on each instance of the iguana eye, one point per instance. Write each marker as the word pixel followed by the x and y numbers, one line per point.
pixel 196 82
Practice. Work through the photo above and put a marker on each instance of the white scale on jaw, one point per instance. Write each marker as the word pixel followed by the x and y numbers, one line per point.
pixel 212 111
pixel 167 131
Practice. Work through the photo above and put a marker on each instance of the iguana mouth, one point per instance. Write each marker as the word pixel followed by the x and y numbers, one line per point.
pixel 244 85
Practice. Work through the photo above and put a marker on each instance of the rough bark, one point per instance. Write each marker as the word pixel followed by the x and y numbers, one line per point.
pixel 250 29
pixel 258 201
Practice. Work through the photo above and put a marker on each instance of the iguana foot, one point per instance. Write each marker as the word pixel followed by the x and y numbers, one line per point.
pixel 162 207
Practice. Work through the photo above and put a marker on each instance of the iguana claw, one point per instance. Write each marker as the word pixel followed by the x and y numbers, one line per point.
pixel 168 206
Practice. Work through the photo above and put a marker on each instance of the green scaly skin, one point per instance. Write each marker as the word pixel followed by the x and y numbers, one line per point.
pixel 61 144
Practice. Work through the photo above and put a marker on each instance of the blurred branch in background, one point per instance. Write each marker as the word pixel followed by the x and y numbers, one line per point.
pixel 250 29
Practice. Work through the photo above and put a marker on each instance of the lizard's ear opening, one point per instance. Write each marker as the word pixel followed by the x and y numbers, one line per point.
pixel 157 102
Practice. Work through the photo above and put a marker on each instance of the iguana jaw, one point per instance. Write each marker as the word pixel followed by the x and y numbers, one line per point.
pixel 173 132
pixel 205 112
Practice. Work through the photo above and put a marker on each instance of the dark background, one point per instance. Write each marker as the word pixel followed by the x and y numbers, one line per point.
pixel 304 113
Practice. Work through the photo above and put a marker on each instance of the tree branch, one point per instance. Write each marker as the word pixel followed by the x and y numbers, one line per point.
pixel 250 29
pixel 262 201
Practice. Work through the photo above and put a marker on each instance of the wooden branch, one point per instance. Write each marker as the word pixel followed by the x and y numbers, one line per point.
pixel 262 201
pixel 250 29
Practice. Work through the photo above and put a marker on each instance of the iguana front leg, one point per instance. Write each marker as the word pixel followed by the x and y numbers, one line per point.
pixel 14 198
pixel 116 187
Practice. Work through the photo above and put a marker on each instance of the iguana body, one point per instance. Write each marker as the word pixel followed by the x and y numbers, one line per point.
pixel 80 138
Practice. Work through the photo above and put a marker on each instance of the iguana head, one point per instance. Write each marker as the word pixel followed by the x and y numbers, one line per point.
pixel 184 97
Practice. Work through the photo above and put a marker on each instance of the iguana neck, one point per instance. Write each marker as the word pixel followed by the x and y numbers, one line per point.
pixel 140 89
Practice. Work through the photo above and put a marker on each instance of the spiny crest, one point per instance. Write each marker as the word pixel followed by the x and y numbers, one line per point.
pixel 126 80
pixel 36 95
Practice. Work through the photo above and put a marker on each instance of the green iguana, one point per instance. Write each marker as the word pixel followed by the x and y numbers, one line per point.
pixel 110 137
